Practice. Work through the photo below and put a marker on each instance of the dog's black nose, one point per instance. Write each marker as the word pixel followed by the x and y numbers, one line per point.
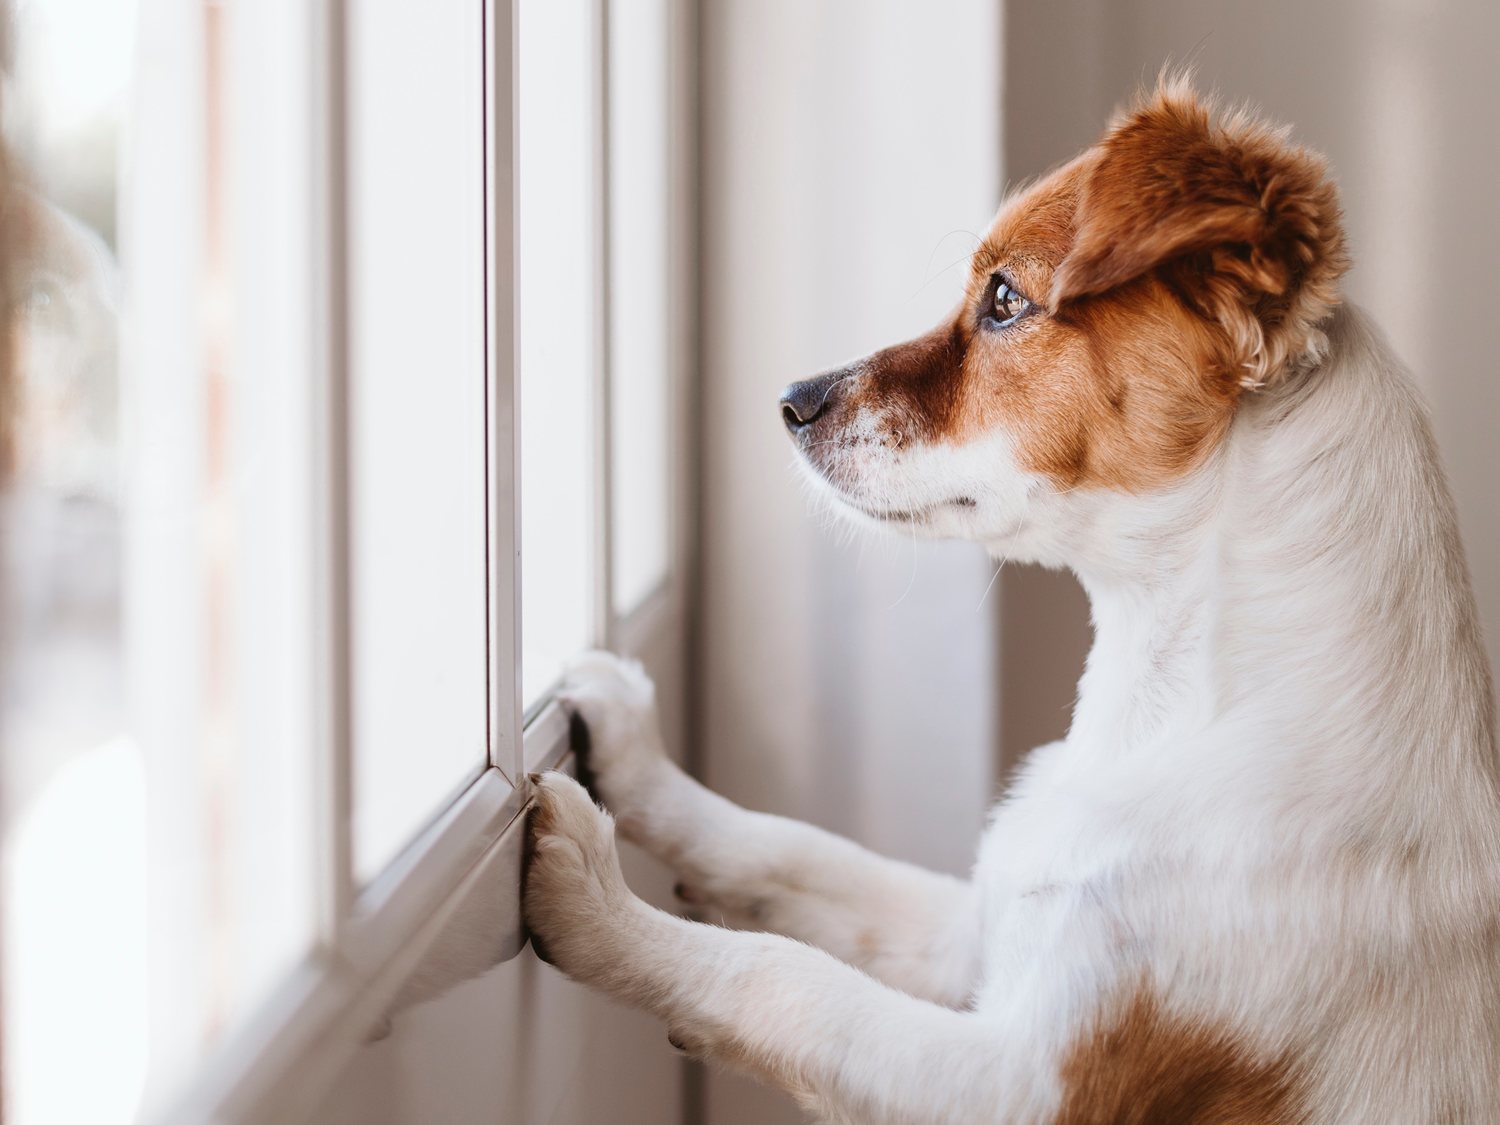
pixel 804 403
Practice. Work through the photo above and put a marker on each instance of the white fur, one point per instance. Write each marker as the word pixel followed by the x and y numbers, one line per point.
pixel 1278 803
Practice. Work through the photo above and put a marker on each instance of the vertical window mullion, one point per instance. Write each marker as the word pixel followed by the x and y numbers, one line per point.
pixel 604 555
pixel 334 758
pixel 503 444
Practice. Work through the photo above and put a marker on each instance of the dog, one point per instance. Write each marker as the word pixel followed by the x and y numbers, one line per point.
pixel 1259 880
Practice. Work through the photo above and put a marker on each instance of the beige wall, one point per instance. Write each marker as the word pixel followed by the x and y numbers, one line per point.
pixel 851 150
pixel 1401 95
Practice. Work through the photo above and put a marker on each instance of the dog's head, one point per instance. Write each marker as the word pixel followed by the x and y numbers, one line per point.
pixel 1115 315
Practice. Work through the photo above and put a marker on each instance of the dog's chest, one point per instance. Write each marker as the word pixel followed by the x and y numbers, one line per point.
pixel 1060 872
pixel 1064 828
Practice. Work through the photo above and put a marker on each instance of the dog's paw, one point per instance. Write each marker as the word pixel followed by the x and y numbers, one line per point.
pixel 616 701
pixel 578 908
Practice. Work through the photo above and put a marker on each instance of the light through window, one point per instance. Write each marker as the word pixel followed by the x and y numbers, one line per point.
pixel 641 407
pixel 416 415
pixel 281 278
pixel 558 326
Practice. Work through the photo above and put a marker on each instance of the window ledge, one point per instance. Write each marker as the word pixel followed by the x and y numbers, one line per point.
pixel 405 944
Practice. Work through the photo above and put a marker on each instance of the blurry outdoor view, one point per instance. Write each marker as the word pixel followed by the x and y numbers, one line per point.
pixel 74 924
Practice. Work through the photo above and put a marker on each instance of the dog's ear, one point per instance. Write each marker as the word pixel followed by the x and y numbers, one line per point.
pixel 1245 224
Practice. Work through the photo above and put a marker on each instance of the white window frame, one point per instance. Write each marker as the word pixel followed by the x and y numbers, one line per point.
pixel 464 868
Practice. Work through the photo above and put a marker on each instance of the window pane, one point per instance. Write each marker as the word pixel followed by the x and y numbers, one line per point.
pixel 558 337
pixel 639 404
pixel 159 545
pixel 416 415
pixel 270 719
pixel 73 771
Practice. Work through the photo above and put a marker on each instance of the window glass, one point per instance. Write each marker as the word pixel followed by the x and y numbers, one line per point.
pixel 641 412
pixel 557 325
pixel 73 773
pixel 156 730
pixel 169 583
pixel 416 415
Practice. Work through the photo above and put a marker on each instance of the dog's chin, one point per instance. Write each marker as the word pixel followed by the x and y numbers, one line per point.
pixel 936 520
pixel 951 518
pixel 905 524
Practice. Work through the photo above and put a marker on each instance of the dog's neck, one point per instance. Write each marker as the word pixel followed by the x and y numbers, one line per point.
pixel 1306 585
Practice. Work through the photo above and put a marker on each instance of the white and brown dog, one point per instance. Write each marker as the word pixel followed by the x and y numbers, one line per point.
pixel 1259 881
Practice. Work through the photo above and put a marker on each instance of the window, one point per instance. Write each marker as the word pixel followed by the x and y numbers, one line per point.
pixel 639 361
pixel 415 400
pixel 559 328
pixel 361 428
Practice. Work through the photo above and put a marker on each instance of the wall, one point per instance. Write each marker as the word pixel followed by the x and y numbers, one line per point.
pixel 1400 94
pixel 850 154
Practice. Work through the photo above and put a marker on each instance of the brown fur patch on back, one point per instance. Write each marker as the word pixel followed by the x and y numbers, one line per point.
pixel 1148 1067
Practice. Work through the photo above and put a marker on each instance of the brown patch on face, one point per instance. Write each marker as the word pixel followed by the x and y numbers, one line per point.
pixel 1128 391
pixel 1172 266
pixel 1147 1067
pixel 918 383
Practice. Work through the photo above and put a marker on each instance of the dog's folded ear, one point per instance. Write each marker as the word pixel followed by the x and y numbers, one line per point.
pixel 1244 222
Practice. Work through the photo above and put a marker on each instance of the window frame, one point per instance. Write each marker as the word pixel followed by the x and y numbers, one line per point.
pixel 280 1061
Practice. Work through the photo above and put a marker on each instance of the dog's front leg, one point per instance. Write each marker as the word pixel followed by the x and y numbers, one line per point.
pixel 848 1047
pixel 913 929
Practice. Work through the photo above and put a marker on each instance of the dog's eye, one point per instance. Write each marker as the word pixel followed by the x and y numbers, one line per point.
pixel 1008 303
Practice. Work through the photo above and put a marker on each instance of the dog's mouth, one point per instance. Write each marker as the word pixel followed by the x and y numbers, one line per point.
pixel 913 515
pixel 838 464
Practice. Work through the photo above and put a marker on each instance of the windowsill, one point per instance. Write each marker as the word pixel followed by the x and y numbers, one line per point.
pixel 464 870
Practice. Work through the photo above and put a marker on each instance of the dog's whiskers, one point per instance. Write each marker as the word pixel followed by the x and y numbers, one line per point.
pixel 927 269
pixel 912 581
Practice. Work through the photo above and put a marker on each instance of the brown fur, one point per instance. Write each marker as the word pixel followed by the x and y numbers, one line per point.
pixel 1178 262
pixel 1245 225
pixel 1147 1067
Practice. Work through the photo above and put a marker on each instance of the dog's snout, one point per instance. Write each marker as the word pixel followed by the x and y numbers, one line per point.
pixel 804 403
pixel 799 410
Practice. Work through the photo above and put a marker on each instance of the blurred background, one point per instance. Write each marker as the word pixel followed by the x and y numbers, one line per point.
pixel 364 362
